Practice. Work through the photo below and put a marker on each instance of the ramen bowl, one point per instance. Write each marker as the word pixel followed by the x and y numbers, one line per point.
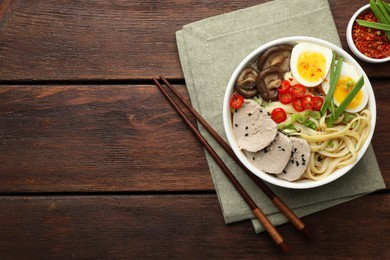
pixel 228 124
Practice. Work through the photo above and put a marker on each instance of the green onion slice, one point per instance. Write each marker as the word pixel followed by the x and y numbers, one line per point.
pixel 348 99
pixel 334 78
pixel 374 25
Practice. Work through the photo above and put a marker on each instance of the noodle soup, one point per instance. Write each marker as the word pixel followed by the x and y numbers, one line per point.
pixel 299 112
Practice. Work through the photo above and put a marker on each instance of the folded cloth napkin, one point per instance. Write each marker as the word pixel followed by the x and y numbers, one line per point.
pixel 209 52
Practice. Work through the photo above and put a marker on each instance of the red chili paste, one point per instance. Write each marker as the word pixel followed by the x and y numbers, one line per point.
pixel 371 42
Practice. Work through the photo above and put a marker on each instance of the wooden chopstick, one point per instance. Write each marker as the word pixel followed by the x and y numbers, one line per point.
pixel 283 208
pixel 255 209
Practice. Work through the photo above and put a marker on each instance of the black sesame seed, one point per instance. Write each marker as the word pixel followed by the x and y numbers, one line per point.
pixel 303 163
pixel 253 158
pixel 284 171
pixel 235 125
pixel 249 114
pixel 246 134
pixel 297 163
pixel 246 128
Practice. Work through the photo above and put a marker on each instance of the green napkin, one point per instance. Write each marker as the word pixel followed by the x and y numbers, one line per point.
pixel 209 52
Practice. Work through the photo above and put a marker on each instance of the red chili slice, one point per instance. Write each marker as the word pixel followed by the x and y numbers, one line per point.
pixel 297 104
pixel 307 102
pixel 317 103
pixel 236 101
pixel 298 90
pixel 286 97
pixel 284 87
pixel 278 115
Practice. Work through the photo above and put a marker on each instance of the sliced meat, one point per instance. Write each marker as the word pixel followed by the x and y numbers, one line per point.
pixel 253 127
pixel 273 158
pixel 298 161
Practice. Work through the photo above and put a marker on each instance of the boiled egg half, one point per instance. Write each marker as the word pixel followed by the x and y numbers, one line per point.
pixel 347 80
pixel 310 63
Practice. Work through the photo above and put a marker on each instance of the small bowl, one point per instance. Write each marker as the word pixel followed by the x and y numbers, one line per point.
pixel 227 117
pixel 352 46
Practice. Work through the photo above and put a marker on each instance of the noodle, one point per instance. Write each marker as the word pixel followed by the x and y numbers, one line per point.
pixel 334 147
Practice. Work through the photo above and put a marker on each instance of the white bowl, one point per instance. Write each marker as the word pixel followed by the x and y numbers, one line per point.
pixel 227 118
pixel 350 41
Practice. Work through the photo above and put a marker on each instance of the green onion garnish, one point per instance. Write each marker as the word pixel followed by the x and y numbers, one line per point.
pixel 379 26
pixel 348 99
pixel 379 15
pixel 334 77
pixel 387 6
pixel 383 10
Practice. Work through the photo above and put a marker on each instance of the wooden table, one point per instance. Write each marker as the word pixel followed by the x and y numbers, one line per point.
pixel 96 164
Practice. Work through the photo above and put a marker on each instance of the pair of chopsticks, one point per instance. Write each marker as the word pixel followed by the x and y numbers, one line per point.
pixel 283 208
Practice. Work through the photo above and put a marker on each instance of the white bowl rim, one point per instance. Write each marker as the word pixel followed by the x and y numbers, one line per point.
pixel 351 44
pixel 228 123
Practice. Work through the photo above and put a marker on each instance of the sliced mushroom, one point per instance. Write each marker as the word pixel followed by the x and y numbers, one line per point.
pixel 246 83
pixel 267 82
pixel 275 56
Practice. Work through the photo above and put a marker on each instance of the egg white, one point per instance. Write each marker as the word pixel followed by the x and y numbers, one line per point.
pixel 348 70
pixel 309 47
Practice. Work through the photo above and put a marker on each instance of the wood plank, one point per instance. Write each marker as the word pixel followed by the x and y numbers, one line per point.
pixel 381 134
pixel 113 138
pixel 70 39
pixel 77 40
pixel 146 226
pixel 96 138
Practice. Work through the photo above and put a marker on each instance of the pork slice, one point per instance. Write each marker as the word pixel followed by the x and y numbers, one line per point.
pixel 298 161
pixel 253 127
pixel 274 158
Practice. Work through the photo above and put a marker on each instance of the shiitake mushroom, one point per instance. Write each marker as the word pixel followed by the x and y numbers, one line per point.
pixel 267 82
pixel 275 56
pixel 271 66
pixel 246 83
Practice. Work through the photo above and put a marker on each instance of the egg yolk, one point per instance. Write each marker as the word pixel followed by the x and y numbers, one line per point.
pixel 343 87
pixel 311 66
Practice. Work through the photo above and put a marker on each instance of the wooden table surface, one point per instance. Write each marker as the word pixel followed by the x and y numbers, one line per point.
pixel 96 164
